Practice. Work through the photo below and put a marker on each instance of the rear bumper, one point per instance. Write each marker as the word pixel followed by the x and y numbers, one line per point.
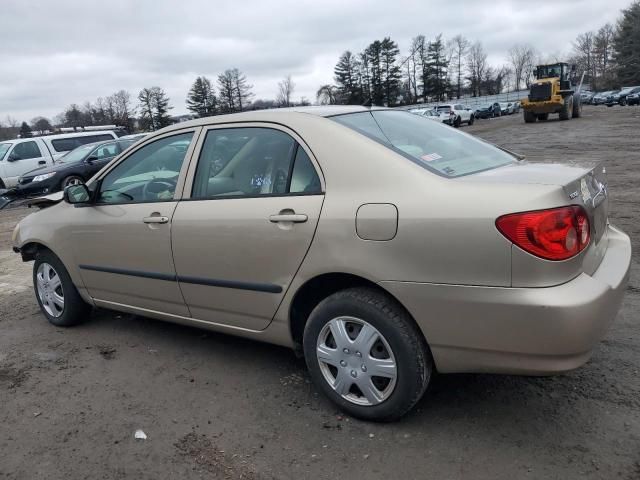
pixel 520 330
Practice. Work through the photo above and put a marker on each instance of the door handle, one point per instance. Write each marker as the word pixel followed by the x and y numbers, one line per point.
pixel 155 219
pixel 42 162
pixel 288 217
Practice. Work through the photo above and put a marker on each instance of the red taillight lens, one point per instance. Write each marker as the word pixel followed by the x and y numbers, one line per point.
pixel 554 234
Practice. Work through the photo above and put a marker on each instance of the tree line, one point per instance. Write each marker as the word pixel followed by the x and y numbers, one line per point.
pixel 436 69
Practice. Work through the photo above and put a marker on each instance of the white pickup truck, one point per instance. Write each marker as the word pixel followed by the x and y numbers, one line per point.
pixel 25 154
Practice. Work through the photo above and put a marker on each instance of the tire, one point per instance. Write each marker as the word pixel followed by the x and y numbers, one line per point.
pixel 49 288
pixel 566 108
pixel 457 122
pixel 399 341
pixel 623 102
pixel 529 117
pixel 71 180
pixel 543 117
pixel 471 120
pixel 577 107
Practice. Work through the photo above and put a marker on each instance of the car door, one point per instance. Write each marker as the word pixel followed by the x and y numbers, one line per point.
pixel 247 223
pixel 23 157
pixel 122 240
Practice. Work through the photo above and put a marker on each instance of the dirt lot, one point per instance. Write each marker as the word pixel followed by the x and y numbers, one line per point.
pixel 214 406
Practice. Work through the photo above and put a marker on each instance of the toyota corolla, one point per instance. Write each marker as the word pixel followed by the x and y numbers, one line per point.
pixel 382 246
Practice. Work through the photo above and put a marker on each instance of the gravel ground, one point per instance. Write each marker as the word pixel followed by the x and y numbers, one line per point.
pixel 214 406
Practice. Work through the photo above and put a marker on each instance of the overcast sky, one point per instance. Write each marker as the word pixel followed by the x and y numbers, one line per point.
pixel 53 53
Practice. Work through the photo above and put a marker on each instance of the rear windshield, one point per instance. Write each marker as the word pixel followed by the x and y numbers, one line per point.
pixel 66 144
pixel 444 109
pixel 432 145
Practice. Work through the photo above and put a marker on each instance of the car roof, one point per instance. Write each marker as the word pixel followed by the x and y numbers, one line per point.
pixel 272 115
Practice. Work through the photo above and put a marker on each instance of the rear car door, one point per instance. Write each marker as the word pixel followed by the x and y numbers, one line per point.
pixel 246 224
pixel 122 241
pixel 23 157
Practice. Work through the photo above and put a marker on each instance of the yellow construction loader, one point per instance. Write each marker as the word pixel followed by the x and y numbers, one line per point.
pixel 553 91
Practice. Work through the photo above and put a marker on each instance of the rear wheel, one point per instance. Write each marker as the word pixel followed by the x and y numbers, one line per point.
pixel 567 106
pixel 366 354
pixel 457 122
pixel 529 117
pixel 57 296
pixel 471 120
pixel 623 102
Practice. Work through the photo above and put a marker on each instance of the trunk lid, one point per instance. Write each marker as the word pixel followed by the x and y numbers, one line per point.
pixel 578 184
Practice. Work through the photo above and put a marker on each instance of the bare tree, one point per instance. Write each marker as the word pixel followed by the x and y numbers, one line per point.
pixel 327 95
pixel 520 58
pixel 41 125
pixel 241 87
pixel 11 122
pixel 603 53
pixel 458 47
pixel 476 67
pixel 583 48
pixel 285 91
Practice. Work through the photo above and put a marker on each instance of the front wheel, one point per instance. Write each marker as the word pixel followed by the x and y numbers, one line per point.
pixel 71 180
pixel 471 120
pixel 366 354
pixel 56 294
pixel 457 122
pixel 529 117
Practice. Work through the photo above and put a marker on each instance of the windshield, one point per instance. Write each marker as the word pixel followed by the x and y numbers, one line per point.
pixel 4 148
pixel 431 145
pixel 77 155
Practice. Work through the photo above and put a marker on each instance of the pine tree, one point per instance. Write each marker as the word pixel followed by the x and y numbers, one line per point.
pixel 201 99
pixel 347 79
pixel 145 97
pixel 390 71
pixel 437 83
pixel 625 45
pixel 372 54
pixel 161 117
pixel 25 130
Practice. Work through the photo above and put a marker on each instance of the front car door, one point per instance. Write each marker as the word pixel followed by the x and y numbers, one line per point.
pixel 122 241
pixel 253 199
pixel 24 157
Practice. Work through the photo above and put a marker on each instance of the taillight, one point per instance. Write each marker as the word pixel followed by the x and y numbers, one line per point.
pixel 553 234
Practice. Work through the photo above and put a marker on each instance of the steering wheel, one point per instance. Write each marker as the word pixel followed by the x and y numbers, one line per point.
pixel 153 188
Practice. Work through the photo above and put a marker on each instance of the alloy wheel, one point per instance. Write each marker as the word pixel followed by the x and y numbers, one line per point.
pixel 49 289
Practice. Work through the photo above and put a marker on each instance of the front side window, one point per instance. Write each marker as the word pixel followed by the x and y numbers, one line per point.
pixel 248 162
pixel 429 144
pixel 150 174
pixel 26 150
pixel 105 151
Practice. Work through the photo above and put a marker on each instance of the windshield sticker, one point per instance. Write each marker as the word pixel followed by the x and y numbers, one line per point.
pixel 430 157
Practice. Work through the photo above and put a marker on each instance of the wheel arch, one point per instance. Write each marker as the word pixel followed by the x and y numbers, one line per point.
pixel 316 289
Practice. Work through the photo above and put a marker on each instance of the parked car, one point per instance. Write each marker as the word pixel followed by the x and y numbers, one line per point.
pixel 633 98
pixel 455 114
pixel 75 167
pixel 586 97
pixel 506 108
pixel 601 98
pixel 24 154
pixel 485 111
pixel 620 98
pixel 516 107
pixel 307 228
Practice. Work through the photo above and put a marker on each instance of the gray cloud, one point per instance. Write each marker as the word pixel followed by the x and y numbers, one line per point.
pixel 56 53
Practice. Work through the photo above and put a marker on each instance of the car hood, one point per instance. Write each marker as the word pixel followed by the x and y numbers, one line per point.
pixel 56 167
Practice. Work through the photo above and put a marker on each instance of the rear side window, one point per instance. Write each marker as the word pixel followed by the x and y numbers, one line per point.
pixel 66 144
pixel 250 162
pixel 431 145
pixel 26 150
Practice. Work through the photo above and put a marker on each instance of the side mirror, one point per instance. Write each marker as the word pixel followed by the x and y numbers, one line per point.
pixel 92 158
pixel 77 194
pixel 13 156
